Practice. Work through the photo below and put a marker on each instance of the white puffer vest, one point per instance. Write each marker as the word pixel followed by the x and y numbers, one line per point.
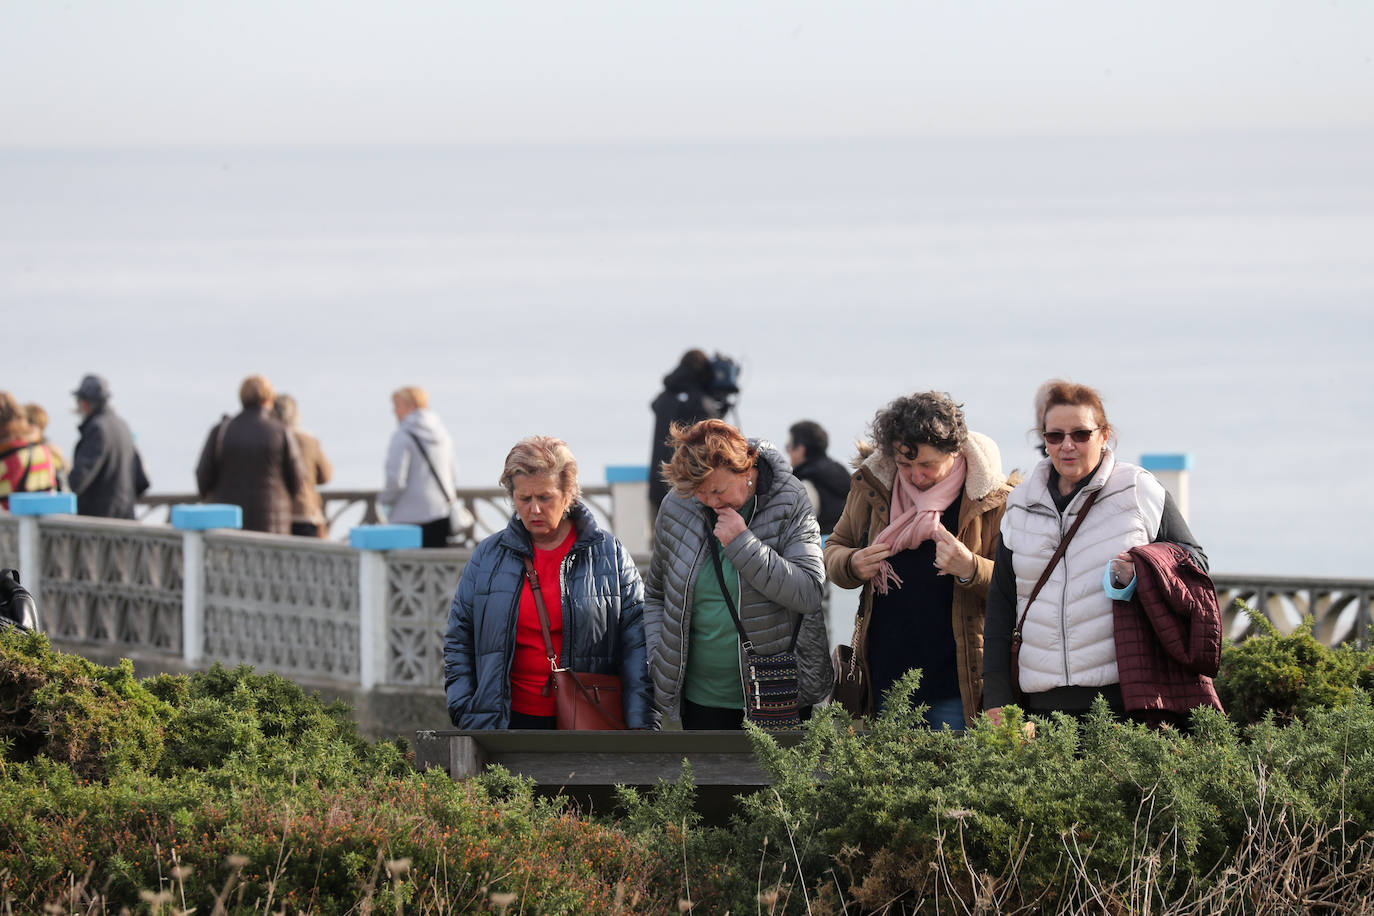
pixel 1067 639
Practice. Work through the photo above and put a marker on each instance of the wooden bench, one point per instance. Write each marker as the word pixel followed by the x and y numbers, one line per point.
pixel 587 765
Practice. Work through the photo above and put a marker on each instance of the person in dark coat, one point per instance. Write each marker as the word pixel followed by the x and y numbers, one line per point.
pixel 251 461
pixel 686 398
pixel 496 666
pixel 107 472
pixel 825 479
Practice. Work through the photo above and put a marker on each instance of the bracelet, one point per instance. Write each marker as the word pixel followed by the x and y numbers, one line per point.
pixel 963 581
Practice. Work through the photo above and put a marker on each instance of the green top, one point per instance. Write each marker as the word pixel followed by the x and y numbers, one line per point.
pixel 713 674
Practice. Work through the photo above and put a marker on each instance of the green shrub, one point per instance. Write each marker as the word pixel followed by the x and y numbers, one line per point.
pixel 99 721
pixel 1085 813
pixel 238 791
pixel 1289 676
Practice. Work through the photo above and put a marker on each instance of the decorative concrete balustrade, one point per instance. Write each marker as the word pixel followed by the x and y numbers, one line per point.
pixel 367 617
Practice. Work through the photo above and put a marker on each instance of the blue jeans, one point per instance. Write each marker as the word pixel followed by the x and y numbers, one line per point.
pixel 949 711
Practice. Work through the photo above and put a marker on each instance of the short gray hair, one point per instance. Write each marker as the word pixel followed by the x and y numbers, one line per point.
pixel 543 455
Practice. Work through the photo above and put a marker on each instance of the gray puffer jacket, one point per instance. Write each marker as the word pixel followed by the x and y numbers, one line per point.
pixel 780 576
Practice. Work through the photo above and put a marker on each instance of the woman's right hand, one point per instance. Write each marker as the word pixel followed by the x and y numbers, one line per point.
pixel 865 561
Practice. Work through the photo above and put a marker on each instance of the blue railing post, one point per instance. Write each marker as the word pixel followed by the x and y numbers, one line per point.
pixel 30 507
pixel 630 520
pixel 193 520
pixel 372 542
pixel 1172 471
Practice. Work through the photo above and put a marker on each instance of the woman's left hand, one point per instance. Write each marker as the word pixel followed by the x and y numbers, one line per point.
pixel 1123 569
pixel 951 556
pixel 729 525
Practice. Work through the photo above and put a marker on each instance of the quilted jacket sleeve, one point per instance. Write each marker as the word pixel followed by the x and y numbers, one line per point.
pixel 460 650
pixel 637 690
pixel 792 575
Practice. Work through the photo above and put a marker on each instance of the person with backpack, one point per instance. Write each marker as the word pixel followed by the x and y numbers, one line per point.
pixel 27 463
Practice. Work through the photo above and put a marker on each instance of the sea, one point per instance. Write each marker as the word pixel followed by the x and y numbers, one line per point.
pixel 1218 289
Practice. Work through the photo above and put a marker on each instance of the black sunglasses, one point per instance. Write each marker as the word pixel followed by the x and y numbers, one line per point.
pixel 1078 435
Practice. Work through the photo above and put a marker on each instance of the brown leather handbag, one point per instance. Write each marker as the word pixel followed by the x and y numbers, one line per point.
pixel 1014 663
pixel 586 701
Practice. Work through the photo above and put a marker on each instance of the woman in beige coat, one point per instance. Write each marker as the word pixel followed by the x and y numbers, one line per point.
pixel 918 534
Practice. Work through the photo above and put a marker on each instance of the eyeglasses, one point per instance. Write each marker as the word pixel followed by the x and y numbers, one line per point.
pixel 1077 435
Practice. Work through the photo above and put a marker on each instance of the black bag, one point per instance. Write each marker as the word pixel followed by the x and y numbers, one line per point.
pixel 850 690
pixel 18 610
pixel 771 693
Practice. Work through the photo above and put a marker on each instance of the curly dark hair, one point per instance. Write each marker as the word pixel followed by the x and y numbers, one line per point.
pixel 927 418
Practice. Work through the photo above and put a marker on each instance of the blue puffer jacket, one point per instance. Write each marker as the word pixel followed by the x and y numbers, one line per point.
pixel 603 623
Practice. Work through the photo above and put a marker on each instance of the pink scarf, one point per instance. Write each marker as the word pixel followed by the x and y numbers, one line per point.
pixel 915 517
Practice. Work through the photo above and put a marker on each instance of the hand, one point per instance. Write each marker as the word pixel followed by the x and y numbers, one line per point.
pixel 951 556
pixel 864 563
pixel 995 715
pixel 1123 569
pixel 729 525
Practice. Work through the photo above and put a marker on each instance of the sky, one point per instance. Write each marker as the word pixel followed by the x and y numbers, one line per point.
pixel 159 73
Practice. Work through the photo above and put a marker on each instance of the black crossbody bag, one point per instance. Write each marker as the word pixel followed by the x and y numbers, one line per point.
pixel 771 692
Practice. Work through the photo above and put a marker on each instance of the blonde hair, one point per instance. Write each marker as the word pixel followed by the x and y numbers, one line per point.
pixel 413 395
pixel 535 455
pixel 700 449
pixel 37 417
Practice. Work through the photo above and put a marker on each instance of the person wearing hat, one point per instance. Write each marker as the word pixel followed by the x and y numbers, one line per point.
pixel 107 472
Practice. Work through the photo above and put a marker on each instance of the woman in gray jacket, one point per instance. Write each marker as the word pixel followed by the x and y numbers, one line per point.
pixel 740 492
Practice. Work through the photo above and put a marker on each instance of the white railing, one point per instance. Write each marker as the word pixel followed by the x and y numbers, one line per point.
pixel 346 509
pixel 323 612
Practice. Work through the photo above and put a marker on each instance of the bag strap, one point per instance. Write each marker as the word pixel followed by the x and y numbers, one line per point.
pixel 1058 555
pixel 543 612
pixel 22 482
pixel 745 641
pixel 425 455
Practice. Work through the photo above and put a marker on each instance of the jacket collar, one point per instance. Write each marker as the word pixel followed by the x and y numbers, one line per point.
pixel 981 454
pixel 1040 478
pixel 516 538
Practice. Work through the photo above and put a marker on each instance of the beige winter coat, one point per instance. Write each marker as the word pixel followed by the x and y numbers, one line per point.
pixel 867 512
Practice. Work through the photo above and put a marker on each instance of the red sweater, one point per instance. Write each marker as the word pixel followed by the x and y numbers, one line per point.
pixel 529 673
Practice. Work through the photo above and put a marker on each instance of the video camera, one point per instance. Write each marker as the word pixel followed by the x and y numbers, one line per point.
pixel 724 379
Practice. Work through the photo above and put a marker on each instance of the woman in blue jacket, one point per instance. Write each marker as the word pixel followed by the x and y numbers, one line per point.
pixel 496 667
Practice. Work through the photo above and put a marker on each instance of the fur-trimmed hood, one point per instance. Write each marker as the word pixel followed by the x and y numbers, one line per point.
pixel 983 457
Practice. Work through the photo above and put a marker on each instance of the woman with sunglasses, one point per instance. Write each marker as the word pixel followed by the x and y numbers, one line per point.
pixel 1068 651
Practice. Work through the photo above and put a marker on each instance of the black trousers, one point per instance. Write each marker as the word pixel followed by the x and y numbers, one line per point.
pixel 435 533
pixel 524 720
pixel 696 717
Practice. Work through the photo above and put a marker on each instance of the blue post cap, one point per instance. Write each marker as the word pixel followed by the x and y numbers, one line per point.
pixel 627 473
pixel 204 516
pixel 43 503
pixel 384 537
pixel 1180 461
